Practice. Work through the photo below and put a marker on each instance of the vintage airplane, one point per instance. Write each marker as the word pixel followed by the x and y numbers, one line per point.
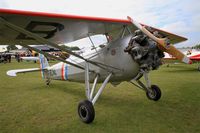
pixel 192 54
pixel 195 58
pixel 132 50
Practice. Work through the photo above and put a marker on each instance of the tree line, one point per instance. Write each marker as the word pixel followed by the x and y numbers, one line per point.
pixel 197 46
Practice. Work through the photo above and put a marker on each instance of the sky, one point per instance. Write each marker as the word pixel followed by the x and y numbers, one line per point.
pixel 179 17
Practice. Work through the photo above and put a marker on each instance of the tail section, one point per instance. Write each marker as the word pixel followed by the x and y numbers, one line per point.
pixel 43 65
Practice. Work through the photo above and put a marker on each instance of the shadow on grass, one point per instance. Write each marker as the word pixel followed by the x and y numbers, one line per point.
pixel 78 90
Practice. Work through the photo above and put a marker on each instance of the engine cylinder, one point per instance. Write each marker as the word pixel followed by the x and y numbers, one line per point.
pixel 144 51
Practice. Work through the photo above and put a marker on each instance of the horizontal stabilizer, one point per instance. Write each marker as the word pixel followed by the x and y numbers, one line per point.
pixel 30 58
pixel 13 73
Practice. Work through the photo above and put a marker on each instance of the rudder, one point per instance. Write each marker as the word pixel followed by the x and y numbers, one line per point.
pixel 43 65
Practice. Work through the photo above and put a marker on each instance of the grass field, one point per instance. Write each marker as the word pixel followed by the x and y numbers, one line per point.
pixel 28 105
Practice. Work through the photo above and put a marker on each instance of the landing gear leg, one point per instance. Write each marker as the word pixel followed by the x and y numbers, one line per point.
pixel 86 110
pixel 153 92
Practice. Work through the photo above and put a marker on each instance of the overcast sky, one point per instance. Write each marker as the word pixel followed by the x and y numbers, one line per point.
pixel 180 17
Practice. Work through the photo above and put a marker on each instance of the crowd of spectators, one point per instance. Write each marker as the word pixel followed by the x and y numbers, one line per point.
pixel 6 57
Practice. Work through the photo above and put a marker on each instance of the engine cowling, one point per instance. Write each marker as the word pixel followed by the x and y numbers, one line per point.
pixel 144 51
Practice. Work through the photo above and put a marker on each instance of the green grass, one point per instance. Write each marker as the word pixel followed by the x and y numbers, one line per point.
pixel 28 105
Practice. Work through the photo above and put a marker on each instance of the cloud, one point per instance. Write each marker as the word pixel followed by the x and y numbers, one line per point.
pixel 196 22
pixel 3 4
pixel 179 27
pixel 192 32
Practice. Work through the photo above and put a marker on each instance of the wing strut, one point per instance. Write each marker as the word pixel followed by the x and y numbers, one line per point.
pixel 18 29
pixel 54 57
pixel 45 41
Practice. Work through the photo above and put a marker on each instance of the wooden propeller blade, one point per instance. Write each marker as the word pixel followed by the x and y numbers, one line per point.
pixel 163 43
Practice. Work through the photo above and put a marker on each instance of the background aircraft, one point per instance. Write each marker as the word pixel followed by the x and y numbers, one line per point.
pixel 193 54
pixel 134 50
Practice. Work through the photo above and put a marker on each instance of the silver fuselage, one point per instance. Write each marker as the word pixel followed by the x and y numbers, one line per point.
pixel 112 55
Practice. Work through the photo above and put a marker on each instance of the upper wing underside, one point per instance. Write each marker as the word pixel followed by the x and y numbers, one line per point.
pixel 62 29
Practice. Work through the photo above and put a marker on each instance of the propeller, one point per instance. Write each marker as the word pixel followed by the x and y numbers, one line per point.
pixel 162 43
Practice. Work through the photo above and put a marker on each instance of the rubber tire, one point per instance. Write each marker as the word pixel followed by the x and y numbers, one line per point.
pixel 157 93
pixel 86 111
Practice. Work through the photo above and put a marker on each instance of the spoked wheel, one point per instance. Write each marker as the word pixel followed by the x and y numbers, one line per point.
pixel 86 111
pixel 155 94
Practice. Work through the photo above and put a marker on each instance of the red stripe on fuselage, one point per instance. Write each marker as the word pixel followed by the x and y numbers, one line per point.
pixel 63 72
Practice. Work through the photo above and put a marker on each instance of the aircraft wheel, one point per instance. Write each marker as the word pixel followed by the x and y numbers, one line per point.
pixel 155 94
pixel 86 111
